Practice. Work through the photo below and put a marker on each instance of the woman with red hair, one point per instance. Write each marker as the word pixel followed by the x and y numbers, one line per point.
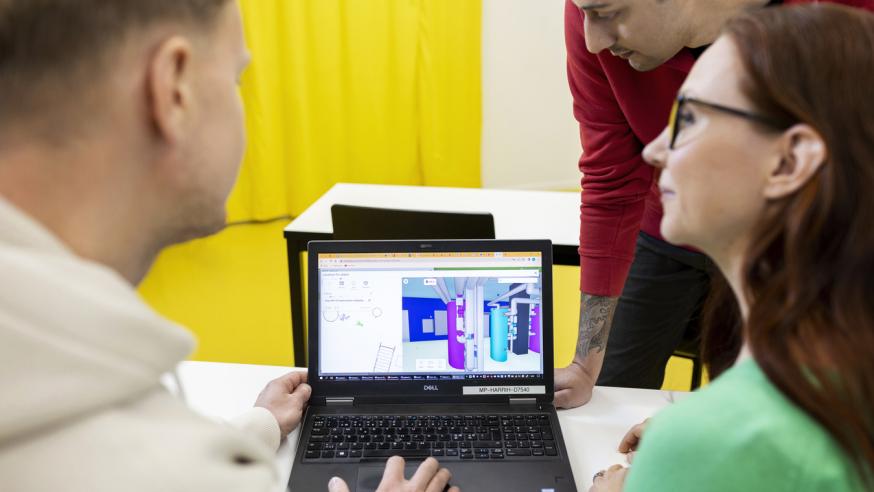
pixel 768 167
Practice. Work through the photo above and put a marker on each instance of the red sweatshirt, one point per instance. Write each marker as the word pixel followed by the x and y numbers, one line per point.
pixel 620 110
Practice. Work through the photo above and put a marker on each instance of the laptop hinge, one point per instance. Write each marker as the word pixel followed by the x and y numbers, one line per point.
pixel 340 401
pixel 523 401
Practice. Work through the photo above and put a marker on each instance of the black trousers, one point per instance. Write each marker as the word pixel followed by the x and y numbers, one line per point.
pixel 661 302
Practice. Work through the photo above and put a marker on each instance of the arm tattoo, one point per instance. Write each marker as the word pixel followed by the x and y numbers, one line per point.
pixel 596 318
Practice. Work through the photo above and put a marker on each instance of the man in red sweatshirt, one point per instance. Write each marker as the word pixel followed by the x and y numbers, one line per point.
pixel 626 61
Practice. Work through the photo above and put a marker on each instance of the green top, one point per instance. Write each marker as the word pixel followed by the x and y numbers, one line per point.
pixel 739 433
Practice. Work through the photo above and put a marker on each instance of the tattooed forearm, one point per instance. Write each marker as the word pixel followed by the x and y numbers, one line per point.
pixel 596 318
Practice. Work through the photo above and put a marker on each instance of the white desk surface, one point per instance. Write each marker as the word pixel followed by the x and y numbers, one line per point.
pixel 591 432
pixel 518 214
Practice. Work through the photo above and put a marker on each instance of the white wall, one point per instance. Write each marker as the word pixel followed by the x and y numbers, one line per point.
pixel 530 138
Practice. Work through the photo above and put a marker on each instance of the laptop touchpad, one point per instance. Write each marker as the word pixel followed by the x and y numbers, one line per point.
pixel 369 476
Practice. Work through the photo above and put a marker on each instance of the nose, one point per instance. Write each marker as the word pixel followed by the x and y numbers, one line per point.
pixel 599 36
pixel 656 153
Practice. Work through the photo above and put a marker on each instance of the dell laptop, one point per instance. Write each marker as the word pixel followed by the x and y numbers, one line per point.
pixel 432 348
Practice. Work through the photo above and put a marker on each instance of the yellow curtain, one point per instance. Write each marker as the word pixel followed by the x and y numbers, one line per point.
pixel 373 91
pixel 369 91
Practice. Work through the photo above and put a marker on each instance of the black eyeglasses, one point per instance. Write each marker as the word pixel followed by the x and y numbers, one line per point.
pixel 682 100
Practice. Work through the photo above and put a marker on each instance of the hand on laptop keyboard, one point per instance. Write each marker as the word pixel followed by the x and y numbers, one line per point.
pixel 430 477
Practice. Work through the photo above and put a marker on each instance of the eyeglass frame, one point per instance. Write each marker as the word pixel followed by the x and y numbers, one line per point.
pixel 682 99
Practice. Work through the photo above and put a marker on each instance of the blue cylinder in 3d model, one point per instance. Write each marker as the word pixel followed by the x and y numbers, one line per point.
pixel 499 327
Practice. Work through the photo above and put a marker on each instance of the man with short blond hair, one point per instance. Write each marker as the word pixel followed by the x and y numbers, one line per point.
pixel 121 133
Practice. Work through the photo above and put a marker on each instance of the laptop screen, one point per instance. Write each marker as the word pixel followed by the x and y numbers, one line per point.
pixel 431 316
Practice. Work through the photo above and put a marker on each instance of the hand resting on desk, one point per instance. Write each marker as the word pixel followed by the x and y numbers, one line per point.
pixel 610 480
pixel 613 478
pixel 631 440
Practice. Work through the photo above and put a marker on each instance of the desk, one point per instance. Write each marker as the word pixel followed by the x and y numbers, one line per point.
pixel 591 432
pixel 518 214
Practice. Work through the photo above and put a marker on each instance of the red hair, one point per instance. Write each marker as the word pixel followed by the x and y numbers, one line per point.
pixel 809 272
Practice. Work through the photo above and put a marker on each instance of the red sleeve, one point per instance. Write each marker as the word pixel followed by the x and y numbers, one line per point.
pixel 616 180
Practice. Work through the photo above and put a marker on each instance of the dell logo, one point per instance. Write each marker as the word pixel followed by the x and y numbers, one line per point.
pixel 431 387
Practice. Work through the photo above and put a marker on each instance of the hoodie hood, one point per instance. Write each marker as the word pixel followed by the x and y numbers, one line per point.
pixel 75 336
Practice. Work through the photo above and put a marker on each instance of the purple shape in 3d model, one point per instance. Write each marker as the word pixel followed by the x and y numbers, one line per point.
pixel 456 348
pixel 534 339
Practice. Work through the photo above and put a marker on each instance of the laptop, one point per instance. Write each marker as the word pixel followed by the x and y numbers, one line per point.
pixel 432 348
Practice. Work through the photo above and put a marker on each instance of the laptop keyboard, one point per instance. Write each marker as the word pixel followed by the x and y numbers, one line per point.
pixel 351 438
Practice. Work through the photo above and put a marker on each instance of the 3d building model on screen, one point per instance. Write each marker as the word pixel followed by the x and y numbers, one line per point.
pixel 471 324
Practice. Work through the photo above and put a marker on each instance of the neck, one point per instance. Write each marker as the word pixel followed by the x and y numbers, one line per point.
pixel 730 259
pixel 732 269
pixel 82 196
pixel 713 15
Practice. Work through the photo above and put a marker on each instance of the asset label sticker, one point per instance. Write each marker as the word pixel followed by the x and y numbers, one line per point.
pixel 504 390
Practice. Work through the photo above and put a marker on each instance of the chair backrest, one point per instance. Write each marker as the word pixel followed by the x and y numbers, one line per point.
pixel 369 223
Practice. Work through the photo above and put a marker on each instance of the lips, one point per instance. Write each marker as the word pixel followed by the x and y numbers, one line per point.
pixel 666 191
pixel 625 54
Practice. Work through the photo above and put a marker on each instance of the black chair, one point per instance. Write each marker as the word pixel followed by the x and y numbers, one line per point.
pixel 369 223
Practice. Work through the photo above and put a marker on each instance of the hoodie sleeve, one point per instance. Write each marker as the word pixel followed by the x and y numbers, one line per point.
pixel 261 423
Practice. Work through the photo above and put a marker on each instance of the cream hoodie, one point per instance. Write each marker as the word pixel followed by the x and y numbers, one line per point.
pixel 81 405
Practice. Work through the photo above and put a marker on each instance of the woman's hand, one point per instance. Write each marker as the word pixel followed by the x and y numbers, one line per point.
pixel 428 478
pixel 631 440
pixel 610 480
